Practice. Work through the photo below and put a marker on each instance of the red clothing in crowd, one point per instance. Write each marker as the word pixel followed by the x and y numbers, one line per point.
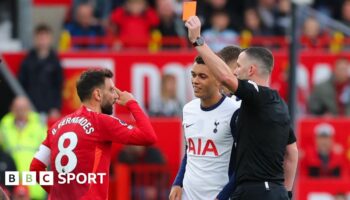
pixel 134 31
pixel 312 165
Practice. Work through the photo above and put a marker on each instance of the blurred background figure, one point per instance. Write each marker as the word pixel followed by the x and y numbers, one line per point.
pixel 326 159
pixel 207 8
pixel 133 22
pixel 41 74
pixel 22 132
pixel 252 23
pixel 345 13
pixel 101 8
pixel 266 11
pixel 219 34
pixel 283 19
pixel 340 196
pixel 171 25
pixel 85 25
pixel 332 97
pixel 312 35
pixel 168 105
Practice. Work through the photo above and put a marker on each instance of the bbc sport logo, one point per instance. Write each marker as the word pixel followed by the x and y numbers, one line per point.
pixel 47 178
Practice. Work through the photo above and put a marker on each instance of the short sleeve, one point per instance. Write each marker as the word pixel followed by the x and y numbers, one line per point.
pixel 291 137
pixel 248 91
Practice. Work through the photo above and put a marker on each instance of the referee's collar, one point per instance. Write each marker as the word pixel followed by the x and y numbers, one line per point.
pixel 210 108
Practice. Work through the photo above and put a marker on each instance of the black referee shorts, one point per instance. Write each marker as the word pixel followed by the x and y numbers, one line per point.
pixel 260 191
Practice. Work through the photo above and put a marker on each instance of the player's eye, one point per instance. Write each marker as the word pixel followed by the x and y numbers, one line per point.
pixel 202 76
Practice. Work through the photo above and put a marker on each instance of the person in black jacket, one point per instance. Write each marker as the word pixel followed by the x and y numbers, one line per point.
pixel 41 74
pixel 266 151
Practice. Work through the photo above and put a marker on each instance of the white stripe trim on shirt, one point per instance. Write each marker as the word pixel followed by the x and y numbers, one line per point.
pixel 43 154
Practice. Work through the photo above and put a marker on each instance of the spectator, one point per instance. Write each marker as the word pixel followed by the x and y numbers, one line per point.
pixel 22 132
pixel 332 97
pixel 41 74
pixel 206 9
pixel 170 24
pixel 168 104
pixel 252 23
pixel 101 8
pixel 326 158
pixel 345 13
pixel 283 18
pixel 266 11
pixel 220 35
pixel 312 36
pixel 133 23
pixel 85 27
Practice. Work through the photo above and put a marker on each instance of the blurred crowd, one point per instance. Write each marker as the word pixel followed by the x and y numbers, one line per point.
pixel 158 24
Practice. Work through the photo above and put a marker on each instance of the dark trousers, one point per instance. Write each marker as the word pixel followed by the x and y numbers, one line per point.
pixel 260 191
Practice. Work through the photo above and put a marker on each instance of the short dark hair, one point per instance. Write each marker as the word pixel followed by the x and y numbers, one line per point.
pixel 199 60
pixel 263 55
pixel 230 53
pixel 42 28
pixel 91 79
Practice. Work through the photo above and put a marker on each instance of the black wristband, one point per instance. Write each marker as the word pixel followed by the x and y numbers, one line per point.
pixel 290 194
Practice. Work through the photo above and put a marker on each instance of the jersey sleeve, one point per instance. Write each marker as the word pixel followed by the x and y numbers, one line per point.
pixel 115 130
pixel 42 159
pixel 181 173
pixel 291 137
pixel 44 152
pixel 248 91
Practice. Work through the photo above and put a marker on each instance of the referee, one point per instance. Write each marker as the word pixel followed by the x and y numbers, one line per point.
pixel 267 154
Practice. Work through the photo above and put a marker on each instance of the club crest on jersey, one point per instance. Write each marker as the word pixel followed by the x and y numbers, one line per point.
pixel 216 123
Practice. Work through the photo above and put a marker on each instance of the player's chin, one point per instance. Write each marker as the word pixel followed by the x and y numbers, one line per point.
pixel 197 94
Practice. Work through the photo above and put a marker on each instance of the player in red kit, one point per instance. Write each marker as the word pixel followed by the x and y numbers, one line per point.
pixel 80 144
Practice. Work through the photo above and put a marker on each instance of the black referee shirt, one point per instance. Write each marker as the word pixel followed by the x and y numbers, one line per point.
pixel 263 132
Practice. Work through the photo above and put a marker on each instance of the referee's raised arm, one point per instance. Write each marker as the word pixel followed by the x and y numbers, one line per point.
pixel 217 66
pixel 266 150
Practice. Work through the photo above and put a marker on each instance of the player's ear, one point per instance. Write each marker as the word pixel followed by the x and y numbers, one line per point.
pixel 97 94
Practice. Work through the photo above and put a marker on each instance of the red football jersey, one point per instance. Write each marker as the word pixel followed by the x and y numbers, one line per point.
pixel 81 143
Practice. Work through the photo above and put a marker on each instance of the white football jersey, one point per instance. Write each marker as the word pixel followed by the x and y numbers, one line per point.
pixel 209 142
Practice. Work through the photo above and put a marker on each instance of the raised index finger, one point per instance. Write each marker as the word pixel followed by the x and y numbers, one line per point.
pixel 118 91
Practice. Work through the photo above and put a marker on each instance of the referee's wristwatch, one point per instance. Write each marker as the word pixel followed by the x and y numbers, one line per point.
pixel 198 42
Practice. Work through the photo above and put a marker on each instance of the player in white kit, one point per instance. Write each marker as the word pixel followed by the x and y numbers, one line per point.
pixel 206 170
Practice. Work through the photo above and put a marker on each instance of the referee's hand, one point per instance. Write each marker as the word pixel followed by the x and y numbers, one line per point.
pixel 194 28
pixel 175 193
